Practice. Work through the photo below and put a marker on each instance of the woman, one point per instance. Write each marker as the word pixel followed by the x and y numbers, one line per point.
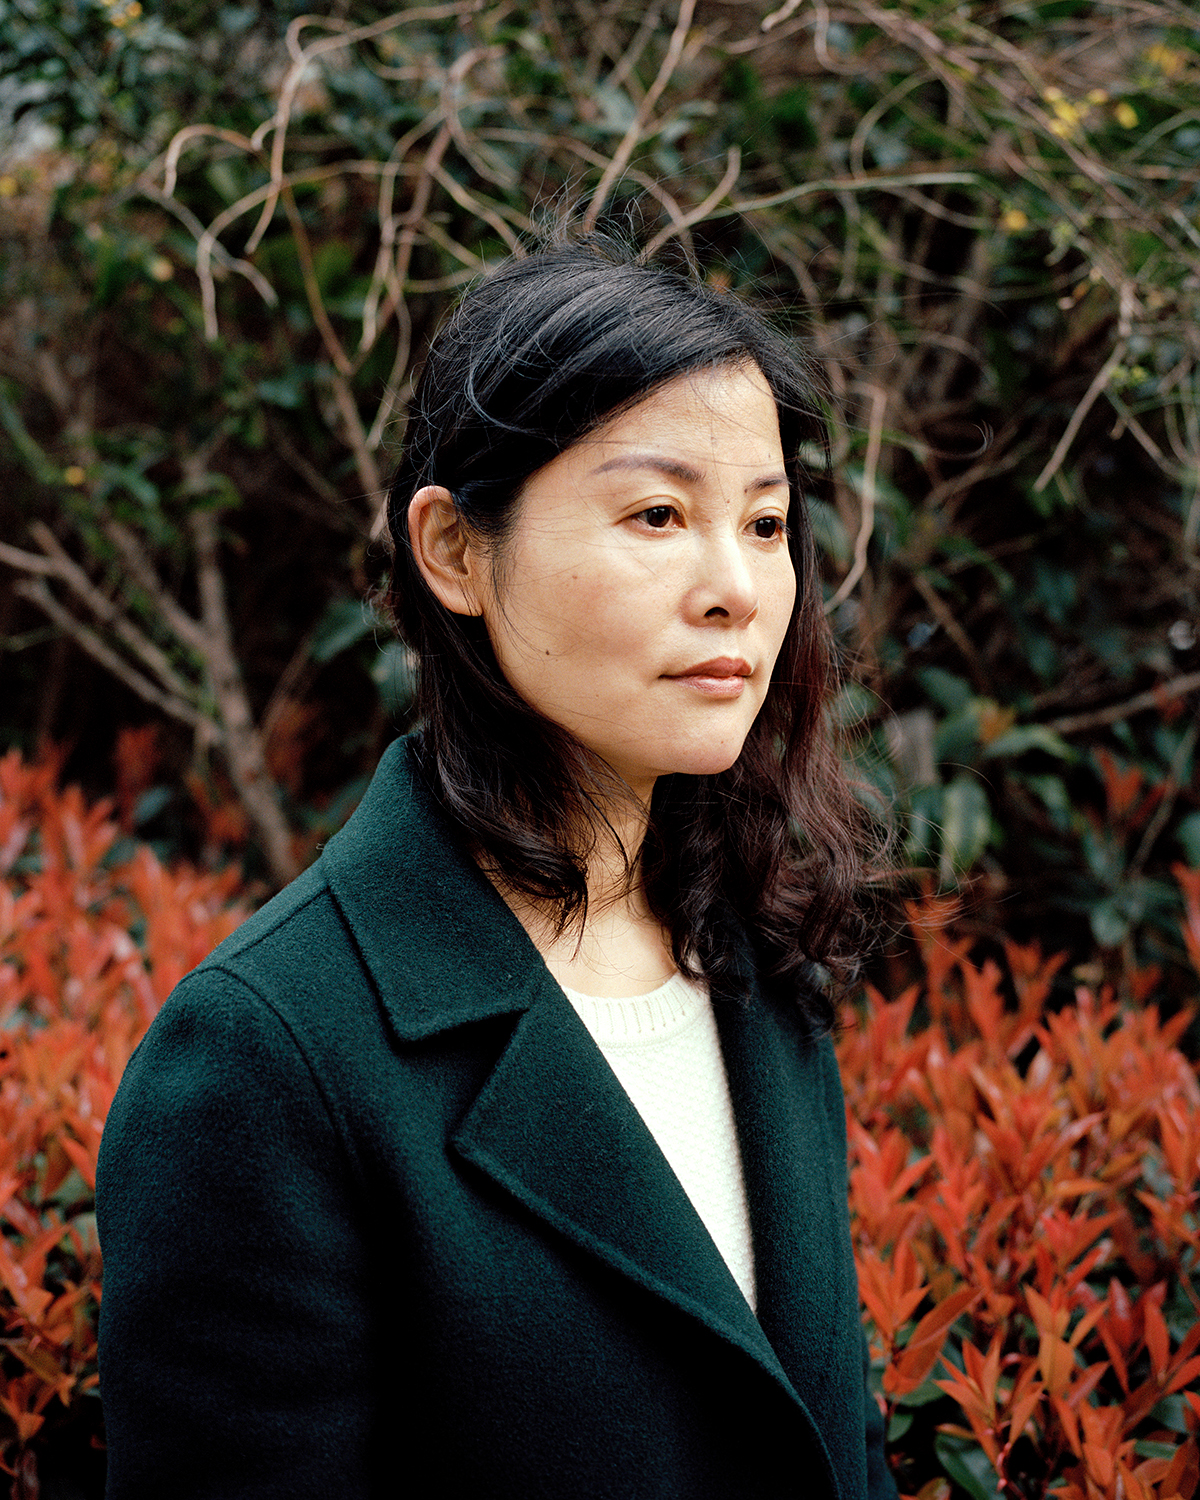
pixel 503 1153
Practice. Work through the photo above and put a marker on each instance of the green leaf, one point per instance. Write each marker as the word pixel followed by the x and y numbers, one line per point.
pixel 924 819
pixel 965 1462
pixel 284 390
pixel 854 703
pixel 966 824
pixel 1172 1411
pixel 1051 792
pixel 957 737
pixel 1146 1448
pixel 1188 834
pixel 394 675
pixel 1110 924
pixel 332 264
pixel 36 460
pixel 344 623
pixel 899 1424
pixel 948 691
pixel 829 532
pixel 150 804
pixel 1023 737
pixel 925 1393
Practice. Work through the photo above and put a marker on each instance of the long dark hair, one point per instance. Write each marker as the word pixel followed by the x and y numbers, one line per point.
pixel 536 355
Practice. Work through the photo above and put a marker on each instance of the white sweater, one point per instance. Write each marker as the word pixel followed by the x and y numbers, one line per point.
pixel 666 1053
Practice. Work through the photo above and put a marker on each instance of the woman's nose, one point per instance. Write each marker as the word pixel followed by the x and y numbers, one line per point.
pixel 726 588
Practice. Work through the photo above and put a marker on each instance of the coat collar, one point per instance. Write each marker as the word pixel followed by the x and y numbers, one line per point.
pixel 552 1126
pixel 441 946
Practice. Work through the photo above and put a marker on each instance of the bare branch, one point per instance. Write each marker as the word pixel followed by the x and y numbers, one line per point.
pixel 303 57
pixel 942 612
pixel 108 614
pixel 1155 697
pixel 702 210
pixel 36 591
pixel 620 158
pixel 336 510
pixel 867 182
pixel 240 738
pixel 879 400
pixel 364 460
pixel 27 562
pixel 1103 376
pixel 188 630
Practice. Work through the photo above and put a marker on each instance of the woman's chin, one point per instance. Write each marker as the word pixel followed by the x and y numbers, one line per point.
pixel 708 760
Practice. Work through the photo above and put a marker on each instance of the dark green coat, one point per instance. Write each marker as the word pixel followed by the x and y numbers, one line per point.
pixel 378 1220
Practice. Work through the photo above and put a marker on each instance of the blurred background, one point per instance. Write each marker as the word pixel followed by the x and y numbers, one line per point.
pixel 227 233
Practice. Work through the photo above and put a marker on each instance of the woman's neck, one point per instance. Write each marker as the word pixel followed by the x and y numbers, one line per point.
pixel 622 949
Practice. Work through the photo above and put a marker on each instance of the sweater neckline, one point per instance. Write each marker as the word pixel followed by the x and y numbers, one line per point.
pixel 641 1020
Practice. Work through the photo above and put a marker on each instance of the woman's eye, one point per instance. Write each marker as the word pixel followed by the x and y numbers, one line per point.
pixel 769 527
pixel 658 516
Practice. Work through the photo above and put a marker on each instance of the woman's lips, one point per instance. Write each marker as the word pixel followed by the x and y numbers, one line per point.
pixel 724 677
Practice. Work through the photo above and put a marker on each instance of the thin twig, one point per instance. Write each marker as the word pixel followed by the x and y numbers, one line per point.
pixel 1103 376
pixel 356 438
pixel 879 400
pixel 702 210
pixel 241 740
pixel 335 511
pixel 303 58
pixel 623 153
pixel 1155 697
pixel 188 630
pixel 37 592
pixel 1170 792
pixel 633 53
pixel 945 618
pixel 109 614
pixel 312 287
pixel 864 183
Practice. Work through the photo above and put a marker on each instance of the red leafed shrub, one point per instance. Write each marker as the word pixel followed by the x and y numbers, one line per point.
pixel 1023 1181
pixel 94 933
pixel 1026 1214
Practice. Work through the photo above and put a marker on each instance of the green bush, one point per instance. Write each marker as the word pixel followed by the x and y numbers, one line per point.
pixel 229 232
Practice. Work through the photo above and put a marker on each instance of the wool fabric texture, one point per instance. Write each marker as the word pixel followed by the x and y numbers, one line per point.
pixel 377 1219
pixel 666 1054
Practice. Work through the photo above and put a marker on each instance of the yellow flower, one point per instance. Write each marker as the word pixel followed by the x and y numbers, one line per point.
pixel 1014 220
pixel 1166 59
pixel 1126 115
pixel 1061 129
pixel 161 269
pixel 74 475
pixel 8 186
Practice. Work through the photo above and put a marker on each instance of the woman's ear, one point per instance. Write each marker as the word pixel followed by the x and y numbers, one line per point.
pixel 448 563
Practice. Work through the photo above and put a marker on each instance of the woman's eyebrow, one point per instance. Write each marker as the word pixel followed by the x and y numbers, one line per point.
pixel 676 469
pixel 673 468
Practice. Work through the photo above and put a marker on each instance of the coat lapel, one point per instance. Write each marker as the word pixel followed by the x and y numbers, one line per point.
pixel 787 1100
pixel 556 1130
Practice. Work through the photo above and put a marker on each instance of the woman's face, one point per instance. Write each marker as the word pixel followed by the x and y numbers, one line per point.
pixel 644 592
